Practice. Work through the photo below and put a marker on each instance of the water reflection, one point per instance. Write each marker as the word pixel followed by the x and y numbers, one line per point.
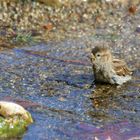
pixel 111 102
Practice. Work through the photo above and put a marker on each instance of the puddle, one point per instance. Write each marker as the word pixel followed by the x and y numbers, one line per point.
pixel 54 78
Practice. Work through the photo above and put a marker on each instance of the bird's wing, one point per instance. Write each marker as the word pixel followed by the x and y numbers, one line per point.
pixel 121 68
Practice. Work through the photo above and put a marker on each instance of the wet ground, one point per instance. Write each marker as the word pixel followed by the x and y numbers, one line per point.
pixel 54 80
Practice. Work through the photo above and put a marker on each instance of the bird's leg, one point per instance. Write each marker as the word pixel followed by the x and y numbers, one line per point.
pixel 92 84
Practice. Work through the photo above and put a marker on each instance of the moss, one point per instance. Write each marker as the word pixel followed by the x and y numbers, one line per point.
pixel 12 127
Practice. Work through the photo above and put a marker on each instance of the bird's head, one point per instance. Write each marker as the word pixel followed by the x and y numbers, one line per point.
pixel 100 55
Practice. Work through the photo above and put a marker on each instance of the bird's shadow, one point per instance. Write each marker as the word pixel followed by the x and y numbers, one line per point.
pixel 76 80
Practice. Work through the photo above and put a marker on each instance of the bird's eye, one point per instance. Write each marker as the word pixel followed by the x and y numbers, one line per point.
pixel 98 55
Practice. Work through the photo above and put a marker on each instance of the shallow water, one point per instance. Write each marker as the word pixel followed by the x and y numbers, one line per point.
pixel 55 78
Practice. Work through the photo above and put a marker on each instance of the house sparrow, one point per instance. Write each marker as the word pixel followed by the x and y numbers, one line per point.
pixel 107 69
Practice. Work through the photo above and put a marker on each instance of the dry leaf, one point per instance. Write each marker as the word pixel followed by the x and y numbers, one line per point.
pixel 62 99
pixel 132 9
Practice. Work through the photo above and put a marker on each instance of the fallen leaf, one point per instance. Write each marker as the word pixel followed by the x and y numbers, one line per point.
pixel 132 9
pixel 62 99
pixel 48 26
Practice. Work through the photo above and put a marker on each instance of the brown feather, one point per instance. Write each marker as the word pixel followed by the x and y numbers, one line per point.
pixel 121 68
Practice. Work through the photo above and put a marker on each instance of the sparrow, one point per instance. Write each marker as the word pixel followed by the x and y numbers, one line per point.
pixel 108 69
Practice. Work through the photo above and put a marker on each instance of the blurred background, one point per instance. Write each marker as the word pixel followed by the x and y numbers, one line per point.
pixel 24 21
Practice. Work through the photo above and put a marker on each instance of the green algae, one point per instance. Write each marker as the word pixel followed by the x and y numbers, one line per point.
pixel 12 126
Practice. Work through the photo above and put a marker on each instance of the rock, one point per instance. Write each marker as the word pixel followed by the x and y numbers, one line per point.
pixel 8 109
pixel 14 119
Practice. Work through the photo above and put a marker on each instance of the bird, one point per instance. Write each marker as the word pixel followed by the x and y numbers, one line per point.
pixel 108 69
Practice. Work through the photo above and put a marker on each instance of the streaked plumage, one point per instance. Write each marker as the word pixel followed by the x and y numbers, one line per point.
pixel 107 69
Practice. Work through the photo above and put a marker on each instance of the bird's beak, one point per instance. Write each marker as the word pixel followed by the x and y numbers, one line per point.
pixel 92 57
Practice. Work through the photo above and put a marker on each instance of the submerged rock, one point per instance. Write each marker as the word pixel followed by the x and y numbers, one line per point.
pixel 14 119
